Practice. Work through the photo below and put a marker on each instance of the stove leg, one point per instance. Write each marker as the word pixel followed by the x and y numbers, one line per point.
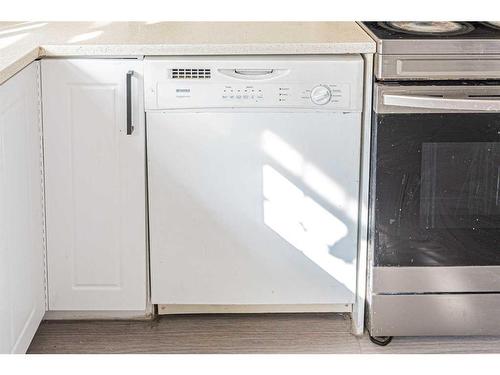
pixel 381 340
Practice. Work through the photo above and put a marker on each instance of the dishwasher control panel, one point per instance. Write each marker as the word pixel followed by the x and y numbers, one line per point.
pixel 286 94
pixel 333 83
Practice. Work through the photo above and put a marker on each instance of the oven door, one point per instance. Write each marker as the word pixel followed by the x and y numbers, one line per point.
pixel 435 189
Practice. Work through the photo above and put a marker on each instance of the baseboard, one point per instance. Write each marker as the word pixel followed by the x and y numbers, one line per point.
pixel 93 314
pixel 247 309
pixel 29 330
pixel 164 309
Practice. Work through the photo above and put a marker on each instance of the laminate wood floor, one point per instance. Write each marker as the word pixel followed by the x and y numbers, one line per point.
pixel 236 333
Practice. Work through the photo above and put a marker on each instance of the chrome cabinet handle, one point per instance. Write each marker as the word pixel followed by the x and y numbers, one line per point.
pixel 431 102
pixel 130 126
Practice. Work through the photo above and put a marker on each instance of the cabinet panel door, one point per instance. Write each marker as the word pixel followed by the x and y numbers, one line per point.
pixel 95 185
pixel 22 290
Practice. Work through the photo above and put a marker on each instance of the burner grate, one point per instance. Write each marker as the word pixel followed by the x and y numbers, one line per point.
pixel 429 27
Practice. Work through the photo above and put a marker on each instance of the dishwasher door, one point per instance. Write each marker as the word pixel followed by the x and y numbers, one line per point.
pixel 253 208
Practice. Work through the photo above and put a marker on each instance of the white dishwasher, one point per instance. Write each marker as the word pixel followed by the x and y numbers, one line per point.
pixel 253 178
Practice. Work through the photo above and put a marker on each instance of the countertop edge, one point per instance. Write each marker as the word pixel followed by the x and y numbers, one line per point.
pixel 130 50
pixel 56 50
pixel 19 64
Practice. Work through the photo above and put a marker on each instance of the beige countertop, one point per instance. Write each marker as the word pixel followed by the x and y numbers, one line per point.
pixel 23 42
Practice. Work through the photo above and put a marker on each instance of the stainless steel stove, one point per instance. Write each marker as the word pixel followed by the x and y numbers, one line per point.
pixel 435 180
pixel 436 50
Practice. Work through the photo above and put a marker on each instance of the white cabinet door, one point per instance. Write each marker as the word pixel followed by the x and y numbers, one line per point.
pixel 95 185
pixel 22 291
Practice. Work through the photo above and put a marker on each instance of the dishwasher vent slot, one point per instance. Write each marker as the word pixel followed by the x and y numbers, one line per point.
pixel 190 73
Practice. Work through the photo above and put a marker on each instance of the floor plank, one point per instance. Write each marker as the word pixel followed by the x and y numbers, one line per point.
pixel 231 333
pixel 428 345
pixel 236 333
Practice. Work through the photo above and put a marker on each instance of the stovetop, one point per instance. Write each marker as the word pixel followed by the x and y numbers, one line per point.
pixel 469 30
pixel 481 38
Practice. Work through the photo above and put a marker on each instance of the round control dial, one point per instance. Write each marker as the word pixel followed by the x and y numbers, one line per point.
pixel 321 95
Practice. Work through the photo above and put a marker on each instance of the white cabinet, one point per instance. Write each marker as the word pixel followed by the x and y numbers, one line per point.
pixel 22 292
pixel 95 185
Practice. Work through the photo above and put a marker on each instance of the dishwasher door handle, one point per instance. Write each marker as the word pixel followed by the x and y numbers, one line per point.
pixel 436 102
pixel 252 74
pixel 130 126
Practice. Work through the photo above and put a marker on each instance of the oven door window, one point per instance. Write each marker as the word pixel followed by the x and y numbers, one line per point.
pixel 437 197
pixel 460 185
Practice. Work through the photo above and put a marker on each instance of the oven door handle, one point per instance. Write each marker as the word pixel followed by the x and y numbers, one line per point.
pixel 433 102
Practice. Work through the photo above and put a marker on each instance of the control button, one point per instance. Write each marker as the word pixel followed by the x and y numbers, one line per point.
pixel 320 95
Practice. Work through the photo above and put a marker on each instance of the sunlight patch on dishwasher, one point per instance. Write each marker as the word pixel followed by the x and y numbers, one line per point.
pixel 291 159
pixel 304 224
pixel 282 153
pixel 324 186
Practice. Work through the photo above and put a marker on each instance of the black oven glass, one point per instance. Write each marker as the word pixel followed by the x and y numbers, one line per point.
pixel 459 185
pixel 437 189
